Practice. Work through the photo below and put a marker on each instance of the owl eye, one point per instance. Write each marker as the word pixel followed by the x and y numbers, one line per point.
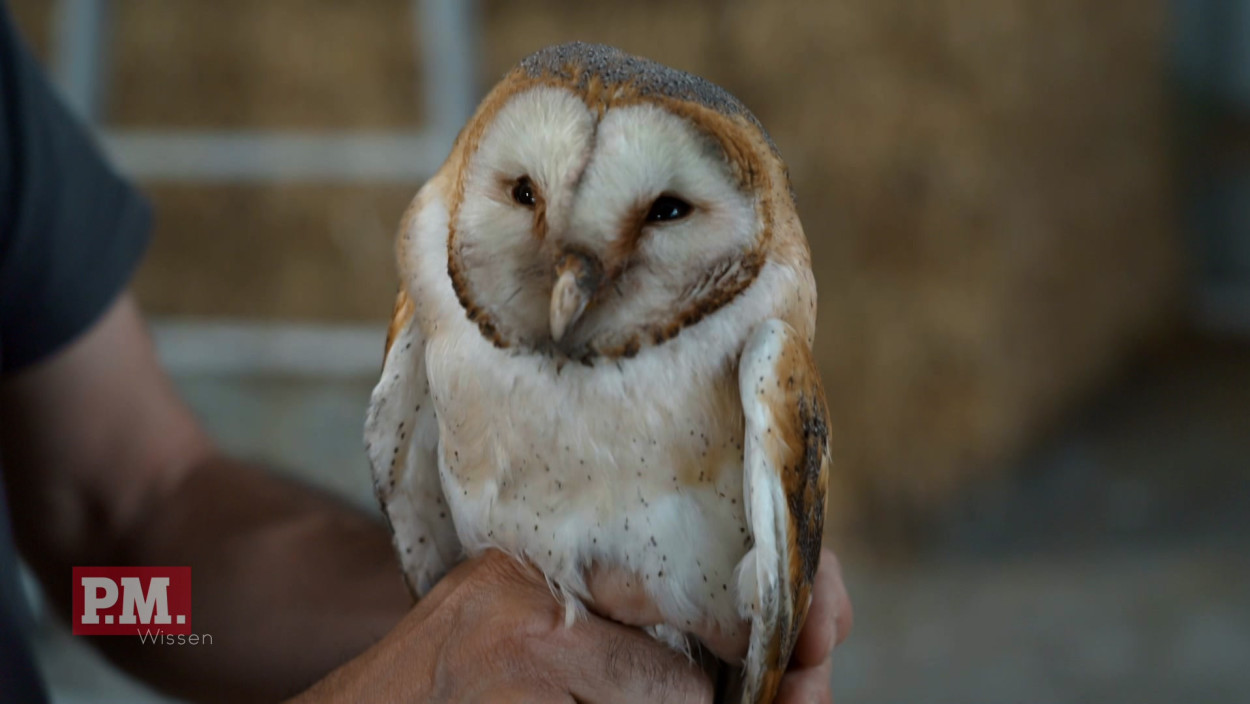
pixel 523 192
pixel 668 208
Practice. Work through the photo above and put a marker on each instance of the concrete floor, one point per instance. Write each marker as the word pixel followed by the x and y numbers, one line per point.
pixel 1112 567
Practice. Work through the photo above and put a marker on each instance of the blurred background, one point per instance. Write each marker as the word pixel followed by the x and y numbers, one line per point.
pixel 1030 221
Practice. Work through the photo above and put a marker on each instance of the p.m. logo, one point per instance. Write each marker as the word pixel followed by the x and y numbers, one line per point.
pixel 130 601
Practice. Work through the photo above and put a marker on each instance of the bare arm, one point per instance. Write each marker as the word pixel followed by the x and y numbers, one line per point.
pixel 106 465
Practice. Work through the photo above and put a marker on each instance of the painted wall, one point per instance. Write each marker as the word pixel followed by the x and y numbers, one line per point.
pixel 1212 56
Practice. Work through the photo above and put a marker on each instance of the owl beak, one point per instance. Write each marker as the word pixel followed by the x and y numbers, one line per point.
pixel 577 278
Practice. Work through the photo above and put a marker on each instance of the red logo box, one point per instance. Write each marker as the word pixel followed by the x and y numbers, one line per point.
pixel 128 601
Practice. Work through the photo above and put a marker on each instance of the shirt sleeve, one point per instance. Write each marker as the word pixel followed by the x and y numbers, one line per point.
pixel 71 230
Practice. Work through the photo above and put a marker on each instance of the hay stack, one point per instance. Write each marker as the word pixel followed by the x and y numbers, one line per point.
pixel 984 182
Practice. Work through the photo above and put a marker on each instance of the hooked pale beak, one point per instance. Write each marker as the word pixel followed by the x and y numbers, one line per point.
pixel 577 280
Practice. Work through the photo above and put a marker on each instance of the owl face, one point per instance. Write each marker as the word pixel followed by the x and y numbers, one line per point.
pixel 595 231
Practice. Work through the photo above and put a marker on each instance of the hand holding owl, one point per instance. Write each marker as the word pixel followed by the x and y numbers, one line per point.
pixel 491 632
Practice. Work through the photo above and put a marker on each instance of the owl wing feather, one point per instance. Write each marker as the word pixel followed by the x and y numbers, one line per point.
pixel 786 466
pixel 401 438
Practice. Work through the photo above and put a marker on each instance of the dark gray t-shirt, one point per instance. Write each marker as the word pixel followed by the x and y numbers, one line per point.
pixel 71 233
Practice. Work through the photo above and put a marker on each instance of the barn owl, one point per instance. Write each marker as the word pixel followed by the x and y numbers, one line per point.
pixel 600 356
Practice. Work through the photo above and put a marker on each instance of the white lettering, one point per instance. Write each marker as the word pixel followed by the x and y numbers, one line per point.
pixel 159 637
pixel 157 597
pixel 94 601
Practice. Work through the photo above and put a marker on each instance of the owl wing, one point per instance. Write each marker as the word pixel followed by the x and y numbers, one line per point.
pixel 786 458
pixel 401 438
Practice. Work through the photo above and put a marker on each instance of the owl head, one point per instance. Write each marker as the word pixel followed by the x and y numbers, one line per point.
pixel 600 203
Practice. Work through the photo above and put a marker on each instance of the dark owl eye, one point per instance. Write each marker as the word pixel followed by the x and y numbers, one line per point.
pixel 668 208
pixel 523 192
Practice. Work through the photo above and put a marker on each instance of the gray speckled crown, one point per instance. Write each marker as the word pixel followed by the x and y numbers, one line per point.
pixel 615 67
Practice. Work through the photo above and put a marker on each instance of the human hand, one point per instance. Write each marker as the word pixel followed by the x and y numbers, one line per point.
pixel 491 632
pixel 619 595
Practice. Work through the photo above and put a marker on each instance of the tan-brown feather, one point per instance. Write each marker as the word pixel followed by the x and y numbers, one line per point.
pixel 797 444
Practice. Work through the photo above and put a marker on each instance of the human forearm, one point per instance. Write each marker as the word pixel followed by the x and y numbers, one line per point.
pixel 289 582
pixel 104 464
